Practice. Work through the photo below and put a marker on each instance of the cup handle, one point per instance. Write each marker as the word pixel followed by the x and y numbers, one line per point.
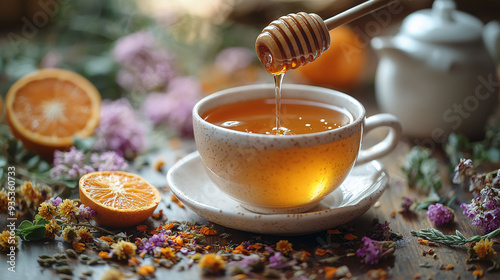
pixel 388 144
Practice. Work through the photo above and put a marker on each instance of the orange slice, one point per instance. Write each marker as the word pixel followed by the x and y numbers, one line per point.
pixel 48 108
pixel 120 199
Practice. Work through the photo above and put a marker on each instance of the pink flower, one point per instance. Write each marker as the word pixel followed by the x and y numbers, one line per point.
pixel 440 214
pixel 372 251
pixel 145 66
pixel 120 129
pixel 234 58
pixel 174 107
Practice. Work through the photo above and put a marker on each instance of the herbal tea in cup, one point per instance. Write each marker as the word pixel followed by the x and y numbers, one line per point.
pixel 270 172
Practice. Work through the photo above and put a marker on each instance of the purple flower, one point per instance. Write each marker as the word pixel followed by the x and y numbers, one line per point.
pixel 55 201
pixel 269 250
pixel 149 245
pixel 69 165
pixel 246 265
pixel 120 130
pixel 484 209
pixel 174 107
pixel 373 251
pixel 462 170
pixel 382 232
pixel 73 164
pixel 278 261
pixel 234 58
pixel 407 203
pixel 440 214
pixel 145 66
pixel 85 212
pixel 108 161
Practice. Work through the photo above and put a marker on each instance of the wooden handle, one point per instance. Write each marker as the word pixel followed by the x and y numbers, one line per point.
pixel 356 12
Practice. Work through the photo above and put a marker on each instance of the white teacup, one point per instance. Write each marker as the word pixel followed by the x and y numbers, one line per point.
pixel 292 173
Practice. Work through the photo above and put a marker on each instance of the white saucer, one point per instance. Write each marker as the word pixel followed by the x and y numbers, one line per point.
pixel 362 188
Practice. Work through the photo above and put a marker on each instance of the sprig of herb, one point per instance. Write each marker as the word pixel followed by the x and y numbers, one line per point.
pixel 435 235
pixel 459 146
pixel 12 153
pixel 421 169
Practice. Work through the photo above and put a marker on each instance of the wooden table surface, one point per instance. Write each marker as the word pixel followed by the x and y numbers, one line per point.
pixel 407 263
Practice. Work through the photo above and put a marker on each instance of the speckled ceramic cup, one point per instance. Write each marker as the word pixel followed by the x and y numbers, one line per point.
pixel 292 173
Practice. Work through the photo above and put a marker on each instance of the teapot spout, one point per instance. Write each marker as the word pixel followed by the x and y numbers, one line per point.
pixel 384 46
pixel 491 38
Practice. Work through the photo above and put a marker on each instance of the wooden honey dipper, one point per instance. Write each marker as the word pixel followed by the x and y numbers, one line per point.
pixel 297 39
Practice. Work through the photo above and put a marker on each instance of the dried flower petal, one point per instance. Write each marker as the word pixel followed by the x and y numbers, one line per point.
pixel 211 264
pixel 484 250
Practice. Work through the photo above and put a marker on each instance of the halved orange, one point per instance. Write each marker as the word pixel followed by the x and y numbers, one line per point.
pixel 121 199
pixel 48 108
pixel 342 65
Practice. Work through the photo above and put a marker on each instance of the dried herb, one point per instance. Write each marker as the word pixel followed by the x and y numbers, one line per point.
pixel 451 240
pixel 486 150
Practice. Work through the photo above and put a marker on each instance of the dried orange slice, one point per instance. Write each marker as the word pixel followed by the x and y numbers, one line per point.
pixel 121 199
pixel 48 108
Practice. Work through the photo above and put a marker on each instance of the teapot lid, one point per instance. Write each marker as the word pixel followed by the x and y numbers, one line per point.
pixel 442 24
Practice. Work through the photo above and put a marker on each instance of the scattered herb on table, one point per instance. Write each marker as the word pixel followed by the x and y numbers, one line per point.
pixel 451 240
pixel 422 172
pixel 484 208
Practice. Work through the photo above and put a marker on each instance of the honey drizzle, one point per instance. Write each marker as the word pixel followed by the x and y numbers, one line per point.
pixel 279 129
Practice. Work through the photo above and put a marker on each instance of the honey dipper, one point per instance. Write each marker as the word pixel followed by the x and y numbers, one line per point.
pixel 297 39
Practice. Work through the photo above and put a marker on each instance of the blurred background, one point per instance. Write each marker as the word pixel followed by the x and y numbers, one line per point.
pixel 133 48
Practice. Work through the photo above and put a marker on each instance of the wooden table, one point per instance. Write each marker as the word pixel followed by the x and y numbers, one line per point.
pixel 408 262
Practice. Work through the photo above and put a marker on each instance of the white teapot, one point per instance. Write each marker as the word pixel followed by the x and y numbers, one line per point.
pixel 438 74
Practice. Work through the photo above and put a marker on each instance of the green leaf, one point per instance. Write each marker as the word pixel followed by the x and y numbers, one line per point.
pixel 84 144
pixel 25 224
pixel 33 162
pixel 43 166
pixel 39 220
pixel 35 233
pixel 459 234
pixel 29 232
pixel 3 162
pixel 72 184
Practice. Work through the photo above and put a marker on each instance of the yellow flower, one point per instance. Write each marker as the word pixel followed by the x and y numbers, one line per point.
pixel 47 210
pixel 84 234
pixel 484 250
pixel 107 239
pixel 104 255
pixel 113 274
pixel 284 246
pixel 4 201
pixel 70 235
pixel 208 231
pixel 52 229
pixel 68 208
pixel 330 271
pixel 78 246
pixel 145 270
pixel 477 273
pixel 30 193
pixel 168 253
pixel 211 264
pixel 124 249
pixel 7 240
